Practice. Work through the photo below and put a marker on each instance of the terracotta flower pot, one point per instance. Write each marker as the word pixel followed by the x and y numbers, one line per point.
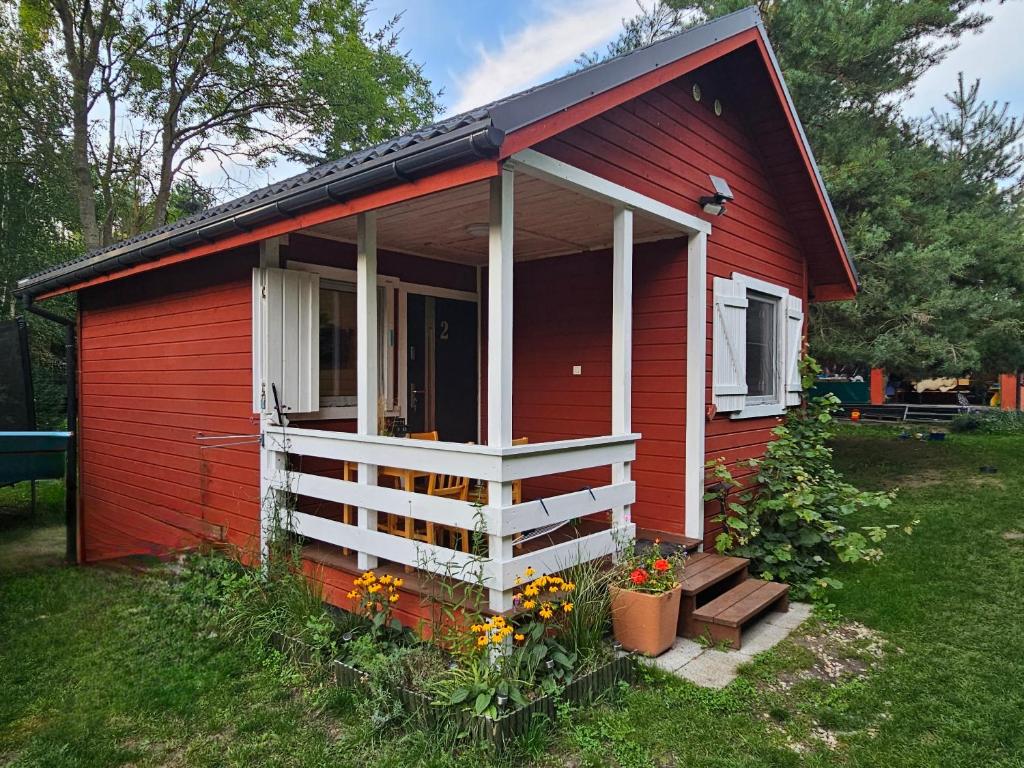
pixel 645 622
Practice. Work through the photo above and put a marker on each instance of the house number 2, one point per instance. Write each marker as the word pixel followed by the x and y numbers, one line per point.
pixel 444 330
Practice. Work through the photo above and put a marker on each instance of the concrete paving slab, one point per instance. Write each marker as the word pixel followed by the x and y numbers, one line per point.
pixel 681 652
pixel 716 669
pixel 712 669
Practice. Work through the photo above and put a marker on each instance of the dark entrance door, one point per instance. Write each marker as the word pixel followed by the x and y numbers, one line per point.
pixel 442 367
pixel 455 370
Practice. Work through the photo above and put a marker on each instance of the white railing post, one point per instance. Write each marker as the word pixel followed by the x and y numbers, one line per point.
pixel 499 364
pixel 696 366
pixel 366 359
pixel 622 346
pixel 273 465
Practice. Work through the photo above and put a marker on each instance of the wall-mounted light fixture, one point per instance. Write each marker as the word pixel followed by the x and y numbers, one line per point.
pixel 715 204
pixel 478 229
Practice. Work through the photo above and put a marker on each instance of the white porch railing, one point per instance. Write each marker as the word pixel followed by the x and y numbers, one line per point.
pixel 501 523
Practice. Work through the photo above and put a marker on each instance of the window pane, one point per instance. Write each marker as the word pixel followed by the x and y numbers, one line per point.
pixel 337 346
pixel 761 348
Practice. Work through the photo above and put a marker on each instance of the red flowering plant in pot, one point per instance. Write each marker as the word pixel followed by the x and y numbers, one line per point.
pixel 645 599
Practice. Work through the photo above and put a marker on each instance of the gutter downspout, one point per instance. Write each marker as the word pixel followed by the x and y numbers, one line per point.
pixel 71 455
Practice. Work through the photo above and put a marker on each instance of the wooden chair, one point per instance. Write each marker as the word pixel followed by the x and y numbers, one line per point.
pixel 517 485
pixel 423 435
pixel 450 487
pixel 397 525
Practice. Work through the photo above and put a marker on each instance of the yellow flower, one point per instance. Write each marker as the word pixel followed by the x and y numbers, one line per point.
pixel 519 638
pixel 529 572
pixel 373 588
pixel 517 597
pixel 555 579
pixel 399 582
pixel 546 613
pixel 567 607
pixel 393 599
pixel 498 621
pixel 385 579
pixel 481 641
pixel 531 591
pixel 541 581
pixel 496 639
pixel 519 580
pixel 530 605
pixel 553 588
pixel 568 586
pixel 353 595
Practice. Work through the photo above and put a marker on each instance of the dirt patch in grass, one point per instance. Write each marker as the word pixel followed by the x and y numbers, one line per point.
pixel 841 652
pixel 815 667
pixel 922 479
pixel 34 548
pixel 1015 537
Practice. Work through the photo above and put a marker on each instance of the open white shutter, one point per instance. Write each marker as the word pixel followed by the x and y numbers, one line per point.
pixel 286 340
pixel 729 363
pixel 794 348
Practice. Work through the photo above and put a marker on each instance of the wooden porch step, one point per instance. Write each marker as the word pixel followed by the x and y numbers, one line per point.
pixel 704 570
pixel 725 617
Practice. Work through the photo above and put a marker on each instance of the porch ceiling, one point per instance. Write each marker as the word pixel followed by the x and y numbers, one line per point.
pixel 549 221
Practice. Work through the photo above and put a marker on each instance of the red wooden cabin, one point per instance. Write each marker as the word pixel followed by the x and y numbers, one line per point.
pixel 548 267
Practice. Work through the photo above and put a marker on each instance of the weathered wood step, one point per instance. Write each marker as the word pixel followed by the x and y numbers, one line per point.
pixel 705 577
pixel 704 569
pixel 724 618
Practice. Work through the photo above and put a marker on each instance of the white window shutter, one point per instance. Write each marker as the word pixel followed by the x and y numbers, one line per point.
pixel 729 361
pixel 286 340
pixel 794 348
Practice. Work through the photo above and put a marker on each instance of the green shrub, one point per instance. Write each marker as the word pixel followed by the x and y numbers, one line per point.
pixel 989 422
pixel 791 520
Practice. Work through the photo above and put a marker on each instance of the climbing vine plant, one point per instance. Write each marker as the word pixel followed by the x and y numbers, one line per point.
pixel 792 517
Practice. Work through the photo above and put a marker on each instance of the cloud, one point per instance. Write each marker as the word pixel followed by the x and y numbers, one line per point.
pixel 995 55
pixel 546 46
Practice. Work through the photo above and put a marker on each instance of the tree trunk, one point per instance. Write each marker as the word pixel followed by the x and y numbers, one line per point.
pixel 166 180
pixel 85 192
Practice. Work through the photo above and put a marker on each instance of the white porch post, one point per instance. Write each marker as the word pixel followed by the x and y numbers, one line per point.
pixel 366 359
pixel 622 346
pixel 499 363
pixel 696 367
pixel 271 462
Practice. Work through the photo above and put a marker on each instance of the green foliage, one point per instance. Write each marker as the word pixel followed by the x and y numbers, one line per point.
pixel 585 630
pixel 791 520
pixel 989 422
pixel 255 605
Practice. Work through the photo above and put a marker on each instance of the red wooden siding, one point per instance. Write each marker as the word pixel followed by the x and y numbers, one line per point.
pixel 164 356
pixel 664 144
pixel 575 328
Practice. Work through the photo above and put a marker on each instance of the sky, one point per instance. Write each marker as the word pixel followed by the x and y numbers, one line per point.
pixel 475 51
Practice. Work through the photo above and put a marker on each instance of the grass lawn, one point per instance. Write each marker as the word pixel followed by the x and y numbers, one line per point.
pixel 103 667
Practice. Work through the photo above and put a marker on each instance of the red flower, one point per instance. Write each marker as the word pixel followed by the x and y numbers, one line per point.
pixel 662 564
pixel 639 576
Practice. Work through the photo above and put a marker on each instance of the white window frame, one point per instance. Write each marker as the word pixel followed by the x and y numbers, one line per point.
pixel 391 285
pixel 757 406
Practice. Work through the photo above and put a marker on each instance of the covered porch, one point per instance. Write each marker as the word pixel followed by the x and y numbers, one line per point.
pixel 338 436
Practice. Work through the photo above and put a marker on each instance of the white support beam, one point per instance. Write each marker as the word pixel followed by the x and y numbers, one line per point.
pixel 539 165
pixel 499 313
pixel 366 359
pixel 696 372
pixel 499 360
pixel 622 345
